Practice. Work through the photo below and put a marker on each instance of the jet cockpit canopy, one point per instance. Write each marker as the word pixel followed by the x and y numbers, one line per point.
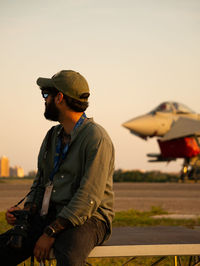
pixel 172 107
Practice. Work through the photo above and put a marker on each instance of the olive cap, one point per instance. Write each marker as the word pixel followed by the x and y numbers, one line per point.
pixel 69 82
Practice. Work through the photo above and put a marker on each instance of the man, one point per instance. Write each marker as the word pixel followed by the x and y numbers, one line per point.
pixel 71 199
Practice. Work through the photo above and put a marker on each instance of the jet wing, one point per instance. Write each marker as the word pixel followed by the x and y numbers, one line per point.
pixel 181 128
pixel 157 157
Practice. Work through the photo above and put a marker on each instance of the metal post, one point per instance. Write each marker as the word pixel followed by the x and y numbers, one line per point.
pixel 175 261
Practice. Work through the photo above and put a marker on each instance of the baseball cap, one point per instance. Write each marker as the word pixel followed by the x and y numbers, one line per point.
pixel 69 82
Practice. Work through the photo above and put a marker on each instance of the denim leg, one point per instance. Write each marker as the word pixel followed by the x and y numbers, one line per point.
pixel 73 246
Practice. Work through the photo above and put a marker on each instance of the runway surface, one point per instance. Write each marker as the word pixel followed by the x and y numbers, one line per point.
pixel 173 197
pixel 176 198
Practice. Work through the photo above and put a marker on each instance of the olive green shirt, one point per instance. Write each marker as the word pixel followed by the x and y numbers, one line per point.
pixel 83 185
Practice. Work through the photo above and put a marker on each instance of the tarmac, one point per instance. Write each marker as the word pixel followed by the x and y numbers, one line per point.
pixel 181 201
pixel 175 198
pixel 154 235
pixel 178 199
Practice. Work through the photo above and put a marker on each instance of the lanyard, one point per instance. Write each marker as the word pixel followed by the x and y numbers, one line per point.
pixel 61 154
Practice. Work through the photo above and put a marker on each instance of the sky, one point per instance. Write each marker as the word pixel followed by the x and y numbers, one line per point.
pixel 134 54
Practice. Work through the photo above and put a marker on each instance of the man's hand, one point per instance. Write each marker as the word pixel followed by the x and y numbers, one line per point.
pixel 43 247
pixel 10 218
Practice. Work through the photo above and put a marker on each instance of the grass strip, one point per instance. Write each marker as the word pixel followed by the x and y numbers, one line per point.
pixel 138 218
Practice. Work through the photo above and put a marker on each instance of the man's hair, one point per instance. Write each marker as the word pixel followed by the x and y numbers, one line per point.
pixel 75 105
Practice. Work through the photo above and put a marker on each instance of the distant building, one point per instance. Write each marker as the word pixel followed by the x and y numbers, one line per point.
pixel 20 171
pixel 32 173
pixel 13 172
pixel 4 167
pixel 16 171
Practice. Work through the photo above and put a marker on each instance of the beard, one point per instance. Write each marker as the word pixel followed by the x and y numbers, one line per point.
pixel 51 111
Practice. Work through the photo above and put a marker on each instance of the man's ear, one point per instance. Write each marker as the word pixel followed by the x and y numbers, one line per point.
pixel 59 97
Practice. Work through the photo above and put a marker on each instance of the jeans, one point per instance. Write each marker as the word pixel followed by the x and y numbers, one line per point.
pixel 71 247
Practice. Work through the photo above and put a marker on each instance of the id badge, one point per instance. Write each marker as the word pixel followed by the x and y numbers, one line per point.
pixel 46 199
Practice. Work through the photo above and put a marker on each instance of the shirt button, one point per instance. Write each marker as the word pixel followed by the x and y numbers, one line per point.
pixel 62 176
pixel 91 202
pixel 54 191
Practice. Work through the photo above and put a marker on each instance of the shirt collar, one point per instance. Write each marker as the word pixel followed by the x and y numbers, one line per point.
pixel 61 129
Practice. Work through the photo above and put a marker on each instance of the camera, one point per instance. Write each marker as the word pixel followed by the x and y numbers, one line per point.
pixel 21 228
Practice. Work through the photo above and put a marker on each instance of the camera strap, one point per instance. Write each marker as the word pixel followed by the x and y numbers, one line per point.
pixel 16 205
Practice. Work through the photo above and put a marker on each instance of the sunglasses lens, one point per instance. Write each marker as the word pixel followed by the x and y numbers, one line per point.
pixel 45 95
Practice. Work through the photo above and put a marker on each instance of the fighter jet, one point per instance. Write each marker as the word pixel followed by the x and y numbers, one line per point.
pixel 159 121
pixel 177 129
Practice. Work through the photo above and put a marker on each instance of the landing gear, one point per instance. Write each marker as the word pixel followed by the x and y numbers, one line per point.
pixel 191 170
pixel 184 171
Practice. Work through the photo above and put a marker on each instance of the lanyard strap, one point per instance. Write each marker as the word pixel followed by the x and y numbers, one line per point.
pixel 61 154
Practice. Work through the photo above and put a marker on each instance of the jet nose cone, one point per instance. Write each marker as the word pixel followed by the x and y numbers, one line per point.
pixel 143 126
pixel 136 124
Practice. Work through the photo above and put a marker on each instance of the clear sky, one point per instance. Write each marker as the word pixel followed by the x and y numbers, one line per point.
pixel 134 54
